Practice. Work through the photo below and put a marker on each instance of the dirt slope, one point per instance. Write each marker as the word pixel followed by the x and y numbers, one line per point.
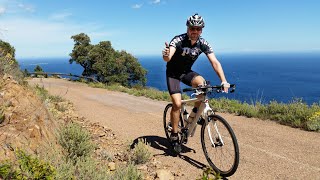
pixel 24 120
pixel 268 150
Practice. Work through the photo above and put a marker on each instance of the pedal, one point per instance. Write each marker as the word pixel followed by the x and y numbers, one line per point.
pixel 177 148
pixel 184 138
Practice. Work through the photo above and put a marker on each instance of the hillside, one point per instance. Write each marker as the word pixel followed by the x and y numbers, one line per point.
pixel 267 150
pixel 26 122
pixel 30 123
pixel 116 120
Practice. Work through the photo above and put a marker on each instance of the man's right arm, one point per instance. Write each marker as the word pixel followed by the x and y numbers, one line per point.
pixel 168 52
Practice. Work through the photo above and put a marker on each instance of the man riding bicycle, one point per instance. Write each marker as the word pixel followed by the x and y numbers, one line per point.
pixel 180 55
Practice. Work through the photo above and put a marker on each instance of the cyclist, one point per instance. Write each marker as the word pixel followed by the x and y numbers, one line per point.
pixel 180 54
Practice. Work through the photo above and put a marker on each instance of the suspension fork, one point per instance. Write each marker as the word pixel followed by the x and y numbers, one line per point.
pixel 217 132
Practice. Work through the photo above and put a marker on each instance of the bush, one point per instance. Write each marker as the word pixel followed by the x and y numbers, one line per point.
pixel 295 113
pixel 209 174
pixel 6 171
pixel 141 152
pixel 76 141
pixel 41 92
pixel 129 172
pixel 313 122
pixel 248 110
pixel 8 63
pixel 88 168
pixel 27 168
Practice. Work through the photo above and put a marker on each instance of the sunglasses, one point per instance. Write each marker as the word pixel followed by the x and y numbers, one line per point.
pixel 195 28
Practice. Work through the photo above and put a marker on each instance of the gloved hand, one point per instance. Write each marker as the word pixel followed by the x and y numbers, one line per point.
pixel 225 86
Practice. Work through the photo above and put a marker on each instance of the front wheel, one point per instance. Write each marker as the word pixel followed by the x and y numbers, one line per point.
pixel 220 146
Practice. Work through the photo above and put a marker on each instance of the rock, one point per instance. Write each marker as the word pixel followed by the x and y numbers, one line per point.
pixel 35 132
pixel 143 167
pixel 179 174
pixel 7 77
pixel 163 174
pixel 112 166
pixel 147 177
pixel 156 164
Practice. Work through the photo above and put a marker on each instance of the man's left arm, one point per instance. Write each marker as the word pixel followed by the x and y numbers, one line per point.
pixel 219 70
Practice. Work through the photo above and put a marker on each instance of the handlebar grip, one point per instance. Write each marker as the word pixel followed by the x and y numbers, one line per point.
pixel 188 89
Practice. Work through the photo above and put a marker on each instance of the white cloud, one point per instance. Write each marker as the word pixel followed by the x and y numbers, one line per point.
pixel 27 7
pixel 39 38
pixel 2 10
pixel 14 7
pixel 137 6
pixel 60 16
pixel 156 1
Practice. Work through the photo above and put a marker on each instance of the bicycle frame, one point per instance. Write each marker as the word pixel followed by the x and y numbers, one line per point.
pixel 203 110
pixel 211 127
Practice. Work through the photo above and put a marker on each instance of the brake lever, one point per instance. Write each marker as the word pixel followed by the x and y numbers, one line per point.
pixel 193 94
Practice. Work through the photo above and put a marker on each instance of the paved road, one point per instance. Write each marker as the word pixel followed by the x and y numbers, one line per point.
pixel 267 150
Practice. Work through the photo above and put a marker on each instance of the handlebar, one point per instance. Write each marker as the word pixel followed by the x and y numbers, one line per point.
pixel 209 88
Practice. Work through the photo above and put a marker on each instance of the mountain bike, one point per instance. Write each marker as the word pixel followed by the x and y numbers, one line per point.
pixel 218 140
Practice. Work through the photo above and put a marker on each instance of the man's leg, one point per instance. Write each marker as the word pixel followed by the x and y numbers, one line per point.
pixel 197 81
pixel 175 112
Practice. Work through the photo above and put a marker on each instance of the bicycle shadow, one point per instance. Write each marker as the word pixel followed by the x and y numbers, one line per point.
pixel 163 144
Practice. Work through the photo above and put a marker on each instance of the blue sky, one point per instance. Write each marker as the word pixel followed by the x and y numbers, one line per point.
pixel 42 28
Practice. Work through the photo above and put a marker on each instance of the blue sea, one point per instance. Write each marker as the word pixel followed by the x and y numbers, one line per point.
pixel 259 77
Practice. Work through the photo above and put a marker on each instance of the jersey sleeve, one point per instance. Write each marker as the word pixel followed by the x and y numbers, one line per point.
pixel 176 41
pixel 206 47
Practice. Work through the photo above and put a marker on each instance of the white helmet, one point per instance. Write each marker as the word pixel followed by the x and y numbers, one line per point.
pixel 195 20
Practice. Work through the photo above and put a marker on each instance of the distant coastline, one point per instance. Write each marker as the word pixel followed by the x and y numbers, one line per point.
pixel 260 77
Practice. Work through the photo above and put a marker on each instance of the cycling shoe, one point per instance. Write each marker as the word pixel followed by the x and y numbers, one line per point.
pixel 177 148
pixel 174 138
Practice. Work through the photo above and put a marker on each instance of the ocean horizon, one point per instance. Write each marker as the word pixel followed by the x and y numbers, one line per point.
pixel 259 77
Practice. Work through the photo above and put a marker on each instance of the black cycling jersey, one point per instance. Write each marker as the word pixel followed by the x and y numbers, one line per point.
pixel 186 54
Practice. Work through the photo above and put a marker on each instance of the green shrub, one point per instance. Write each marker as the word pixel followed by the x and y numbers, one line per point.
pixel 65 169
pixel 8 63
pixel 7 171
pixel 41 92
pixel 88 168
pixel 313 122
pixel 97 85
pixel 248 110
pixel 27 168
pixel 56 98
pixel 141 152
pixel 76 141
pixel 209 174
pixel 128 172
pixel 295 113
pixel 105 155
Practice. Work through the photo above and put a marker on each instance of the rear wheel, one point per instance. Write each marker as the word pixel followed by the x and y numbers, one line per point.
pixel 167 121
pixel 220 146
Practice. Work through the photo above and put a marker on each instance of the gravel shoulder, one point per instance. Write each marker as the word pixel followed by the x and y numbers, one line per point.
pixel 267 150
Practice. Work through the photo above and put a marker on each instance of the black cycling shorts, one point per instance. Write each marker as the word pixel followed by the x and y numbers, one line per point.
pixel 174 79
